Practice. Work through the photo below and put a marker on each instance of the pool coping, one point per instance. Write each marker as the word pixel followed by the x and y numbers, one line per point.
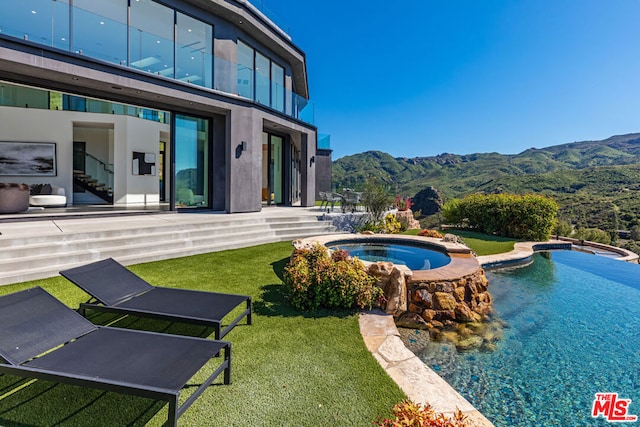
pixel 523 251
pixel 450 247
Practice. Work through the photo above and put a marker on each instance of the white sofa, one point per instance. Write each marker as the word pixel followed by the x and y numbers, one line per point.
pixel 54 198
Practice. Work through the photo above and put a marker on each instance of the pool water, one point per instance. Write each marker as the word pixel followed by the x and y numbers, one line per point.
pixel 414 257
pixel 573 330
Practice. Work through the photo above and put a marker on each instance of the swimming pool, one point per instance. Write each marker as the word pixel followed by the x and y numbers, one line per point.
pixel 413 255
pixel 573 330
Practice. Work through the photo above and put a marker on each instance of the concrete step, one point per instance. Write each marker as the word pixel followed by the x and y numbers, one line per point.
pixel 38 256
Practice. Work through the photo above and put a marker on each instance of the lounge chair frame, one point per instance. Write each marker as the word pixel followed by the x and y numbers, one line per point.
pixel 115 289
pixel 41 338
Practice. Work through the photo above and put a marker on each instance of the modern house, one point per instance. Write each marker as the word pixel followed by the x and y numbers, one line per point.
pixel 188 103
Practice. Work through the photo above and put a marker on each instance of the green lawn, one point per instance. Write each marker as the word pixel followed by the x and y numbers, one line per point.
pixel 484 244
pixel 289 368
pixel 481 244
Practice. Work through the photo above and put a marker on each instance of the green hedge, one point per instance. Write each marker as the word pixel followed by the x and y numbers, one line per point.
pixel 528 217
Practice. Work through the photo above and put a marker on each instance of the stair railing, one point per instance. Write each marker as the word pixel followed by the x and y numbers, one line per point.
pixel 100 171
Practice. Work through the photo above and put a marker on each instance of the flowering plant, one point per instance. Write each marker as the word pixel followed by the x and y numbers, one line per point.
pixel 402 204
pixel 410 414
pixel 430 233
pixel 391 224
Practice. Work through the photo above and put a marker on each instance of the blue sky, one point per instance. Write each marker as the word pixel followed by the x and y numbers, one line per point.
pixel 423 77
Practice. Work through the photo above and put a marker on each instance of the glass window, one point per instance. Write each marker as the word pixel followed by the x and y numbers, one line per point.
pixel 40 21
pixel 245 70
pixel 74 103
pixel 21 96
pixel 98 106
pixel 277 87
pixel 151 38
pixel 262 79
pixel 55 101
pixel 192 161
pixel 272 169
pixel 100 29
pixel 194 51
pixel 275 169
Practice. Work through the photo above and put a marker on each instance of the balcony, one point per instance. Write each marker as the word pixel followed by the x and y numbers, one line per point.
pixel 187 58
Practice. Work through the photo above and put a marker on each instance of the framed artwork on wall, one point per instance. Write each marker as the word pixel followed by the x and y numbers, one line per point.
pixel 28 158
pixel 144 163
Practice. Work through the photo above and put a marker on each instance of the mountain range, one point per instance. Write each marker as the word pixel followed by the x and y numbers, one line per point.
pixel 596 183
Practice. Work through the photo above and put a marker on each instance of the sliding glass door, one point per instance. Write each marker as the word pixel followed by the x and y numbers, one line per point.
pixel 272 169
pixel 192 162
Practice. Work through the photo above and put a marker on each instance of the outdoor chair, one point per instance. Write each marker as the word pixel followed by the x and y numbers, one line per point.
pixel 350 200
pixel 329 197
pixel 41 338
pixel 115 289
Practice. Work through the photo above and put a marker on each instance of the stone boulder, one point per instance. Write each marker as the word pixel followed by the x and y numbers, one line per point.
pixel 411 320
pixel 444 301
pixel 406 218
pixel 393 281
pixel 429 201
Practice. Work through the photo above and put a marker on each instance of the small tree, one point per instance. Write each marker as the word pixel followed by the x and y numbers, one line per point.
pixel 376 200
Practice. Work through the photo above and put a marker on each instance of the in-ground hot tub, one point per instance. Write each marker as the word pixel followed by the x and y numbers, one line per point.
pixel 413 254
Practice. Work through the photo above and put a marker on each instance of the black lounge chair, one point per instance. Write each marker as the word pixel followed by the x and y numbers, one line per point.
pixel 116 289
pixel 42 338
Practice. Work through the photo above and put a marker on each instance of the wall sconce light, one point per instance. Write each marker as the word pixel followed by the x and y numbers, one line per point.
pixel 243 144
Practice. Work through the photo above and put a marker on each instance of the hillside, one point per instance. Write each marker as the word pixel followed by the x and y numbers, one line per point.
pixel 587 178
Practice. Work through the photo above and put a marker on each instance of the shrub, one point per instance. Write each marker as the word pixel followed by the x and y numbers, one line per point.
pixel 431 221
pixel 430 233
pixel 391 224
pixel 632 246
pixel 529 216
pixel 315 279
pixel 452 212
pixel 373 226
pixel 563 228
pixel 409 414
pixel 593 235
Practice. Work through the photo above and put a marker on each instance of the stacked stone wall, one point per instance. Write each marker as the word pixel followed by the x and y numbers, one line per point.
pixel 445 302
pixel 456 310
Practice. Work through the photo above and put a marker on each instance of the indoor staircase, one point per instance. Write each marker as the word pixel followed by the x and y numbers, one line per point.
pixel 88 183
pixel 46 247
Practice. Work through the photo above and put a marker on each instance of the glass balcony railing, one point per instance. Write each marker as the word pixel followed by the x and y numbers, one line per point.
pixel 324 141
pixel 237 79
pixel 12 95
pixel 125 45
